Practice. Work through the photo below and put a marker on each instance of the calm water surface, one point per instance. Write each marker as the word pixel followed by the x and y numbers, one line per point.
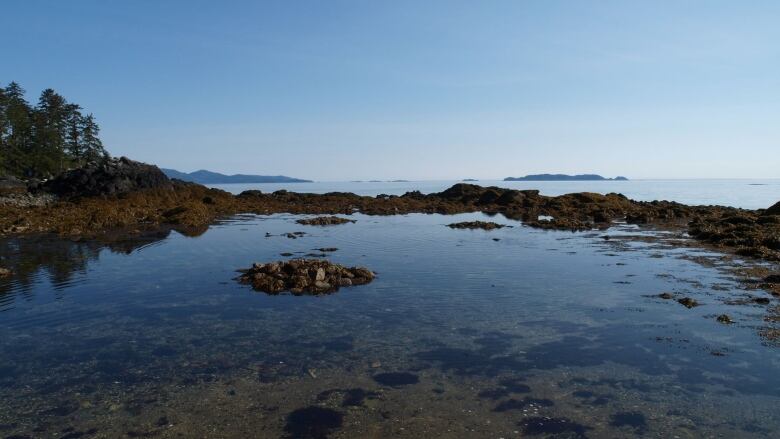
pixel 744 193
pixel 533 333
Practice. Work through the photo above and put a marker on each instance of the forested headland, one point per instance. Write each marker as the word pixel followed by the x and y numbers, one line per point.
pixel 45 139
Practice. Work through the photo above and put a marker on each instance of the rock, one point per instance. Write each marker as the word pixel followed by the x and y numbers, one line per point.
pixel 304 276
pixel 772 278
pixel 490 196
pixel 725 319
pixel 510 197
pixel 12 185
pixel 666 296
pixel 761 300
pixel 4 272
pixel 108 177
pixel 324 221
pixel 774 210
pixel 414 195
pixel 602 216
pixel 484 225
pixel 462 192
pixel 688 302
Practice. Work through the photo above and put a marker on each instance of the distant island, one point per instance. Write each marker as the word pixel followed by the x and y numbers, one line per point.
pixel 564 177
pixel 469 179
pixel 208 177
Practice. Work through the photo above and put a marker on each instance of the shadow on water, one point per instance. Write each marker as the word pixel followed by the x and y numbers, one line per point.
pixel 494 356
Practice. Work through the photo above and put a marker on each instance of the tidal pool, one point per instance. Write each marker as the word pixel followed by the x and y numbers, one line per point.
pixel 464 333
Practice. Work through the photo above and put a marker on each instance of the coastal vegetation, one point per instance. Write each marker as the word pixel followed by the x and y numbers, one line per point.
pixel 42 140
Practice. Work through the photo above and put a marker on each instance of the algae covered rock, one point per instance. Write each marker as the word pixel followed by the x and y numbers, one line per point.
pixel 484 225
pixel 324 221
pixel 303 276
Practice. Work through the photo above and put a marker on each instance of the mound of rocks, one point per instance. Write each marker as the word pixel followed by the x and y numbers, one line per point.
pixel 108 177
pixel 303 276
pixel 484 225
pixel 324 221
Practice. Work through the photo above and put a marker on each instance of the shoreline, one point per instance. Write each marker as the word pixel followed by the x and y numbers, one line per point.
pixel 191 208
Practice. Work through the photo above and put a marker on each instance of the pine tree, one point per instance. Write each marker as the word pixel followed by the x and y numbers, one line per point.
pixel 74 144
pixel 41 141
pixel 19 136
pixel 4 131
pixel 93 147
pixel 50 130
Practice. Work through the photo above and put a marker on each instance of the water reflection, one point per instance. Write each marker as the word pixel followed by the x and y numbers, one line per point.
pixel 33 259
pixel 539 333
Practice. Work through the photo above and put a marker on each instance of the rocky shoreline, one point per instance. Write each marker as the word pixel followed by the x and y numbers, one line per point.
pixel 124 195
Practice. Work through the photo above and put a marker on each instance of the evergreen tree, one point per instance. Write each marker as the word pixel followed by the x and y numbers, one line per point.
pixel 74 144
pixel 46 139
pixel 93 147
pixel 49 131
pixel 19 136
pixel 4 131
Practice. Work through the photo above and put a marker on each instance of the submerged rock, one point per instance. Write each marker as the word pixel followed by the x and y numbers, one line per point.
pixel 484 225
pixel 304 276
pixel 725 319
pixel 4 272
pixel 687 302
pixel 324 221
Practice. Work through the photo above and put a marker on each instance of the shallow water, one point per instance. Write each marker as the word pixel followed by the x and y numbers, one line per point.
pixel 539 333
pixel 744 193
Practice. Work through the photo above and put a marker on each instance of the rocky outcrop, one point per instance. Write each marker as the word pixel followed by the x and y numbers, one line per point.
pixel 11 185
pixel 774 210
pixel 324 221
pixel 304 276
pixel 108 177
pixel 484 225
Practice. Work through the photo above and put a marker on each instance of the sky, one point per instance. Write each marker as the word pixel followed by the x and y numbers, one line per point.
pixel 346 90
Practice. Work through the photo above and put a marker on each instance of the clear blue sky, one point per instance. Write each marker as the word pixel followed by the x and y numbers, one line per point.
pixel 341 90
